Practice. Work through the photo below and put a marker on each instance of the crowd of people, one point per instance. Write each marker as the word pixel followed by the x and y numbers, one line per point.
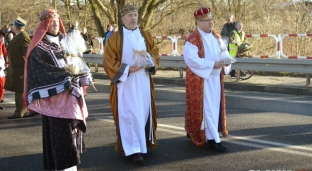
pixel 39 74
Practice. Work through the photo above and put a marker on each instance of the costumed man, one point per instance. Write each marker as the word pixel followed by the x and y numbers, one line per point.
pixel 53 91
pixel 3 57
pixel 132 88
pixel 205 113
pixel 237 40
pixel 14 82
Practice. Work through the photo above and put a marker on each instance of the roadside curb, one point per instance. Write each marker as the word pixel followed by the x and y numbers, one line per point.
pixel 269 88
pixel 236 86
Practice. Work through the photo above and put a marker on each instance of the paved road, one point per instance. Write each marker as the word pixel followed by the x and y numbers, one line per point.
pixel 266 132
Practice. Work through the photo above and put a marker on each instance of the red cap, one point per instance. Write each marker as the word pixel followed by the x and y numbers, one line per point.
pixel 202 12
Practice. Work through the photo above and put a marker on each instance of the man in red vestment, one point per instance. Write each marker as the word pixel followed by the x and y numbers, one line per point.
pixel 205 100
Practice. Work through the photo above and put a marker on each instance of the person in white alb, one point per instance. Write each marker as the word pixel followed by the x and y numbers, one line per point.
pixel 132 88
pixel 205 101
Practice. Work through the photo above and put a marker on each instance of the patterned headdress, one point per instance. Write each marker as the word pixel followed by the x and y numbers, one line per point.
pixel 201 13
pixel 42 29
pixel 127 9
pixel 46 14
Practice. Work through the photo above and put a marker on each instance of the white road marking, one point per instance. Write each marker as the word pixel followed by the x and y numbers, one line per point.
pixel 172 127
pixel 271 143
pixel 279 149
pixel 170 131
pixel 257 97
pixel 280 99
pixel 239 140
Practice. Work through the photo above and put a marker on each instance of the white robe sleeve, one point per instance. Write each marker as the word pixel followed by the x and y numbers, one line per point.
pixel 199 66
pixel 227 69
pixel 125 74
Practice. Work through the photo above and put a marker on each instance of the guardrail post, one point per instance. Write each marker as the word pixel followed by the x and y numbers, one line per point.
pixel 279 40
pixel 181 72
pixel 96 67
pixel 237 75
pixel 308 80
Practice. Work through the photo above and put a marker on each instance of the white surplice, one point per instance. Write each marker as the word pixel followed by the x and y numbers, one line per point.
pixel 203 67
pixel 134 97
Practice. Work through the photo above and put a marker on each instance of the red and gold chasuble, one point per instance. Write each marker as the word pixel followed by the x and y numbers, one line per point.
pixel 195 98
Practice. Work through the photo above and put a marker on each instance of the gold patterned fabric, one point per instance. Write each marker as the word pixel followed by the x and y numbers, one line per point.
pixel 113 68
pixel 195 95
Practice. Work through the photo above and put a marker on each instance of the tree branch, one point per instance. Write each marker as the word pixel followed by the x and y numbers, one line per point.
pixel 105 10
pixel 170 13
pixel 96 17
pixel 143 9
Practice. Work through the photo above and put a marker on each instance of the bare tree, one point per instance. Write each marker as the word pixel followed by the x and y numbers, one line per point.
pixel 147 11
pixel 175 17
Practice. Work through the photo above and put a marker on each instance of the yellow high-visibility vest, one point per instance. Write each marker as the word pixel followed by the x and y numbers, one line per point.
pixel 233 46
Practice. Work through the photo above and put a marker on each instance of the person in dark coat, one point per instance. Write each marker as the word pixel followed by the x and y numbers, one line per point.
pixel 227 29
pixel 9 34
pixel 73 27
pixel 17 49
pixel 88 39
pixel 107 33
pixel 229 26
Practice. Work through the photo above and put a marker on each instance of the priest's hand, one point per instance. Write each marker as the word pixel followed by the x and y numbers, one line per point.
pixel 217 65
pixel 134 68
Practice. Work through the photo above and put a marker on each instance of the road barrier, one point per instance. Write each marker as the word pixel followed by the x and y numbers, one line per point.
pixel 278 54
pixel 293 35
pixel 276 62
pixel 271 65
pixel 173 44
pixel 101 50
pixel 277 45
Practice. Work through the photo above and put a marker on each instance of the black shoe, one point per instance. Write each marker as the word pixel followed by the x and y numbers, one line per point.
pixel 14 117
pixel 137 158
pixel 188 135
pixel 1 101
pixel 25 116
pixel 2 107
pixel 220 147
pixel 30 115
pixel 211 143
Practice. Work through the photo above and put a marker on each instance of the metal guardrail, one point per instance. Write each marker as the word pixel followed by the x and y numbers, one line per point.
pixel 278 54
pixel 273 65
pixel 166 61
pixel 254 64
